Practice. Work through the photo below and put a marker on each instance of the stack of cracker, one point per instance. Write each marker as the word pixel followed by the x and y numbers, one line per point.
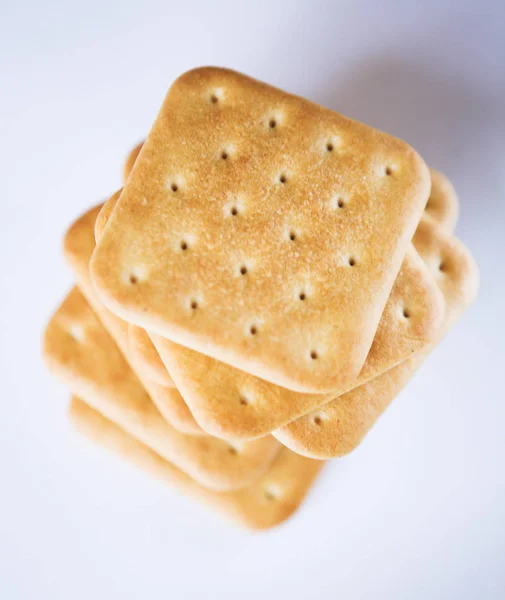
pixel 270 277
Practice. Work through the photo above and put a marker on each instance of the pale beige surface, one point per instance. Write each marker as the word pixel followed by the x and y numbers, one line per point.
pixel 270 500
pixel 339 426
pixel 443 204
pixel 80 352
pixel 199 247
pixel 78 245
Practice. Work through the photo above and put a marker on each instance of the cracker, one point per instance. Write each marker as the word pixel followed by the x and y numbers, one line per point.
pixel 78 245
pixel 340 426
pixel 231 403
pixel 130 161
pixel 79 351
pixel 168 400
pixel 269 501
pixel 109 205
pixel 443 203
pixel 213 387
pixel 102 214
pixel 147 357
pixel 242 198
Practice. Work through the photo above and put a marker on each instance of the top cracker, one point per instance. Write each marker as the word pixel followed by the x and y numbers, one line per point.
pixel 261 229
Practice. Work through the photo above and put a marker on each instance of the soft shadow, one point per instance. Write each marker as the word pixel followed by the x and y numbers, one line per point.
pixel 457 127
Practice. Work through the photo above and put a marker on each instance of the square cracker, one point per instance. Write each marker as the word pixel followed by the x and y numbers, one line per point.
pixel 442 206
pixel 242 199
pixel 267 502
pixel 79 243
pixel 231 403
pixel 78 349
pixel 443 203
pixel 340 425
pixel 147 357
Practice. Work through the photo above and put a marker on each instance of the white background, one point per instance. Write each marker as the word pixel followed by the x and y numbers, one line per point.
pixel 418 511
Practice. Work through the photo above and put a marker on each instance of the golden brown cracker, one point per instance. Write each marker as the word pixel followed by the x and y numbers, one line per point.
pixel 147 357
pixel 243 198
pixel 443 203
pixel 103 213
pixel 130 161
pixel 442 206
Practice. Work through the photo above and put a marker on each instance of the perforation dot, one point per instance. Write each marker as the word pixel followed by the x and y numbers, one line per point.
pixel 253 330
pixel 272 123
pixel 442 267
pixel 283 178
pixel 174 187
pixel 292 236
pixel 329 147
pixel 313 355
pixel 234 211
pixel 193 305
pixel 184 245
pixel 351 261
pixel 270 493
pixel 388 171
pixel 243 401
pixel 133 279
pixel 224 155
pixel 233 451
pixel 302 296
pixel 406 313
pixel 317 420
pixel 214 99
pixel 340 203
pixel 243 270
